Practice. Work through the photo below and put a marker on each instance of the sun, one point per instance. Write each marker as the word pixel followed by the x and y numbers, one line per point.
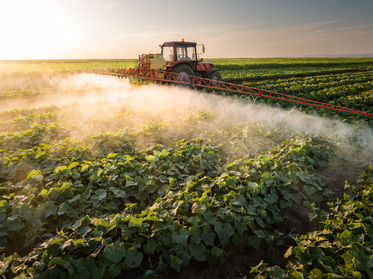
pixel 33 29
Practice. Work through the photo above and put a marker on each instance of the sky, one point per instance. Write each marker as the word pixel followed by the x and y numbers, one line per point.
pixel 116 29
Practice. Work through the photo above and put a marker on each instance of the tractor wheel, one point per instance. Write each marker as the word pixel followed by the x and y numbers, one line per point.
pixel 215 76
pixel 183 70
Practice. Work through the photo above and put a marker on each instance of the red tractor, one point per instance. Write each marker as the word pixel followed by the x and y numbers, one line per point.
pixel 182 58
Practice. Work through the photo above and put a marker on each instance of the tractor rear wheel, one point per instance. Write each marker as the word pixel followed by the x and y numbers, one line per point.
pixel 184 71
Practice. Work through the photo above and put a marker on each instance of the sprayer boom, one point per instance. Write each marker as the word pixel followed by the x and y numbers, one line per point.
pixel 199 82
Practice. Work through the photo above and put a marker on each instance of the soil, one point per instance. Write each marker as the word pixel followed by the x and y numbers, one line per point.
pixel 16 246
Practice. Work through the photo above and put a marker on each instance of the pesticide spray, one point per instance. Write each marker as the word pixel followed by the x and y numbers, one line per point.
pixel 167 103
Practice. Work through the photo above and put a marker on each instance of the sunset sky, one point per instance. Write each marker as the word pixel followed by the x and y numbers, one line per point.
pixel 85 29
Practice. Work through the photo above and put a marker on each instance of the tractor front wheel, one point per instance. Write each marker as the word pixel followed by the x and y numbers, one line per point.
pixel 215 76
pixel 183 71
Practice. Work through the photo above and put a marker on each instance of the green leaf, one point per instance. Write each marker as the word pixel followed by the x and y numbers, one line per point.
pixel 198 252
pixel 181 237
pixel 38 178
pixel 66 172
pixel 81 269
pixel 176 263
pixel 66 209
pixel 84 230
pixel 76 198
pixel 115 252
pixel 133 258
pixel 195 234
pixel 21 276
pixel 51 209
pixel 271 199
pixel 150 158
pixel 286 195
pixel 66 186
pixel 306 177
pixel 43 193
pixel 208 235
pixel 153 218
pixel 310 190
pixel 267 178
pixel 316 274
pixel 84 168
pixel 296 275
pixel 224 231
pixel 217 252
pixel 73 165
pixel 240 227
pixel 349 258
pixel 328 263
pixel 209 218
pixel 56 261
pixel 95 272
pixel 364 261
pixel 258 202
pixel 149 246
pixel 53 194
pixel 100 194
pixel 135 222
pixel 239 201
pixel 150 274
pixel 3 205
pixel 312 216
pixel 288 252
pixel 32 174
pixel 111 155
pixel 118 193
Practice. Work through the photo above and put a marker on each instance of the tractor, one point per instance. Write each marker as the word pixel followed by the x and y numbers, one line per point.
pixel 181 58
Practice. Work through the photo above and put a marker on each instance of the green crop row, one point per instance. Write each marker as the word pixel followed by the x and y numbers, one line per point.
pixel 242 75
pixel 350 90
pixel 342 248
pixel 250 64
pixel 83 213
pixel 248 139
pixel 310 84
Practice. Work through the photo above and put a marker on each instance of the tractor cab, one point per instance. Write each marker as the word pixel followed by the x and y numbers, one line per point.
pixel 179 51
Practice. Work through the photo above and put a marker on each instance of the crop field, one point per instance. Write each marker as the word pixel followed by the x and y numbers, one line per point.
pixel 103 178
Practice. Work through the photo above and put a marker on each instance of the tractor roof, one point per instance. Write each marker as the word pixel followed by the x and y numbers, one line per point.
pixel 180 42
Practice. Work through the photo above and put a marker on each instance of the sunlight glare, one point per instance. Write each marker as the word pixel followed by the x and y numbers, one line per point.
pixel 33 29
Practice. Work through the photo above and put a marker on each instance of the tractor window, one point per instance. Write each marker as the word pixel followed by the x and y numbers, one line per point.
pixel 185 53
pixel 168 53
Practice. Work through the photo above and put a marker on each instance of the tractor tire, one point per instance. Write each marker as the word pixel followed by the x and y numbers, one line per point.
pixel 216 76
pixel 183 70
